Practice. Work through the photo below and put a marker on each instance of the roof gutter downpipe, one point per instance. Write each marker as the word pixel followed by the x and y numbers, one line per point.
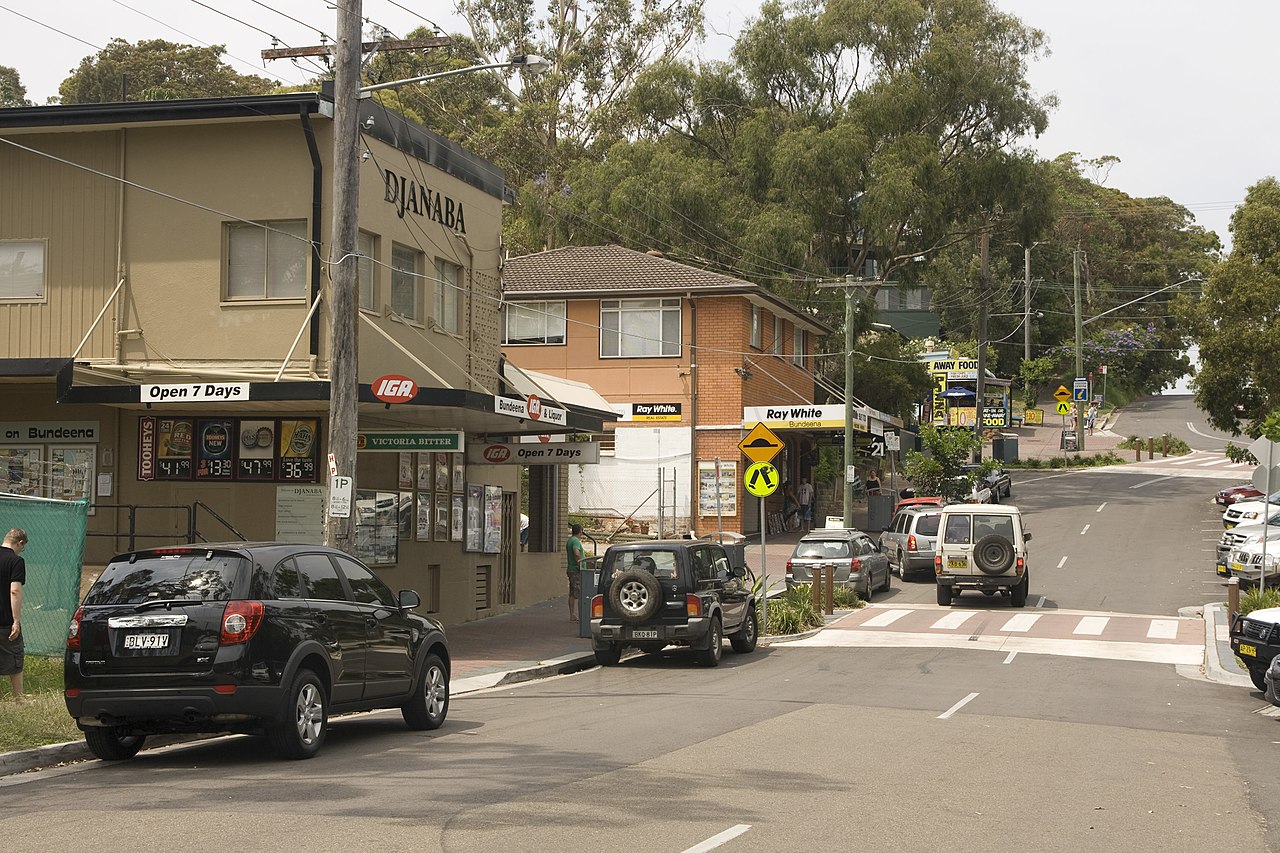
pixel 317 199
pixel 693 414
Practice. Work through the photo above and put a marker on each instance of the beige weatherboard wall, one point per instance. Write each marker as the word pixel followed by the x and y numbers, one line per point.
pixel 128 310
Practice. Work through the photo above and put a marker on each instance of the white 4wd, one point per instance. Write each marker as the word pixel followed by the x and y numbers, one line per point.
pixel 982 547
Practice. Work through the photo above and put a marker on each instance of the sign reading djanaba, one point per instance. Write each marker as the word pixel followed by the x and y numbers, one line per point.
pixel 760 445
pixel 761 479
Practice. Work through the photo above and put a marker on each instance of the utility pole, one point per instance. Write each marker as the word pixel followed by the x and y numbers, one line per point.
pixel 1075 264
pixel 1026 302
pixel 980 389
pixel 849 469
pixel 343 369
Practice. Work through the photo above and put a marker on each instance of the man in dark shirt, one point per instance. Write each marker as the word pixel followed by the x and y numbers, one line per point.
pixel 13 574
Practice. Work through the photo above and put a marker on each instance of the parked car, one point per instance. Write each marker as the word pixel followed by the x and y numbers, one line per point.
pixel 1234 494
pixel 909 502
pixel 982 548
pixel 1245 534
pixel 908 544
pixel 855 560
pixel 1243 512
pixel 262 638
pixel 973 490
pixel 996 479
pixel 1255 639
pixel 1248 562
pixel 672 592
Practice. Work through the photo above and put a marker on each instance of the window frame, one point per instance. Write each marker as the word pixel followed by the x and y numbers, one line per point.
pixel 798 345
pixel 267 228
pixel 42 294
pixel 757 326
pixel 443 299
pixel 778 334
pixel 543 313
pixel 398 277
pixel 621 308
pixel 368 270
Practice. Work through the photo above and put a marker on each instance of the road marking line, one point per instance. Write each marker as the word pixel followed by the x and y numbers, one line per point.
pixel 1212 462
pixel 1238 464
pixel 1040 603
pixel 1135 650
pixel 1149 482
pixel 1268 711
pixel 886 618
pixel 946 715
pixel 1022 622
pixel 954 620
pixel 1163 629
pixel 719 838
pixel 1011 656
pixel 1099 509
pixel 1062 562
pixel 1086 530
pixel 1092 625
pixel 1191 458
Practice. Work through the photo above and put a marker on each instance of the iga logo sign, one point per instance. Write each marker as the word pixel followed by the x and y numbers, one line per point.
pixel 535 407
pixel 497 453
pixel 394 388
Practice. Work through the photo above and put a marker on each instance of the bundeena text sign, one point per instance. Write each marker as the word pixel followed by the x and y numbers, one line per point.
pixel 443 441
pixel 539 411
pixel 562 453
pixel 50 432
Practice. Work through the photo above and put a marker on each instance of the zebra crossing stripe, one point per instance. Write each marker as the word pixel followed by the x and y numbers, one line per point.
pixel 1021 623
pixel 1092 625
pixel 1163 629
pixel 886 618
pixel 953 620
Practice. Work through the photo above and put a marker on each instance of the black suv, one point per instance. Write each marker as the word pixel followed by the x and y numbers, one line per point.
pixel 678 592
pixel 258 638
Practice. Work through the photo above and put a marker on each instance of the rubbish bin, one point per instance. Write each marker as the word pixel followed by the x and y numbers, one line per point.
pixel 879 512
pixel 1005 448
pixel 734 544
pixel 590 579
pixel 1069 440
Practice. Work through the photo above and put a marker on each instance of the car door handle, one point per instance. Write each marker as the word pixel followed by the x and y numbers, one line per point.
pixel 319 618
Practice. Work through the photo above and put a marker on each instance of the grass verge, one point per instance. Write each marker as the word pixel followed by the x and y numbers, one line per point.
pixel 42 717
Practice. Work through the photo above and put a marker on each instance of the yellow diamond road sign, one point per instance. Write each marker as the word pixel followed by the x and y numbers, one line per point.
pixel 1064 408
pixel 761 444
pixel 761 479
pixel 1062 393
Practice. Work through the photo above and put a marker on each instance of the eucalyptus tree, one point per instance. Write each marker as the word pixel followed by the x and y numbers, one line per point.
pixel 155 70
pixel 12 92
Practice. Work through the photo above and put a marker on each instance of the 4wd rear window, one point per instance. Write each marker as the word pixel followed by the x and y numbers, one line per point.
pixel 823 548
pixel 167 577
pixel 985 525
pixel 660 564
pixel 927 525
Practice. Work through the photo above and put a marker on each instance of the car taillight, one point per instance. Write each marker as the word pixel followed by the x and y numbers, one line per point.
pixel 1021 565
pixel 855 565
pixel 692 605
pixel 240 621
pixel 937 564
pixel 73 631
pixel 597 607
pixel 788 567
pixel 911 543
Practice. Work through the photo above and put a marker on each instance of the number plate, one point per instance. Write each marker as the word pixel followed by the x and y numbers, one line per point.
pixel 146 641
pixel 1222 569
pixel 1237 567
pixel 1250 651
pixel 957 563
pixel 1229 524
pixel 644 634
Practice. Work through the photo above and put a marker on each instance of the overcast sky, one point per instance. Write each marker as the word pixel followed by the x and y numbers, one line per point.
pixel 1180 90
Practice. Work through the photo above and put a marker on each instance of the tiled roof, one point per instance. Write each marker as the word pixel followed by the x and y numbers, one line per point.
pixel 607 268
pixel 593 271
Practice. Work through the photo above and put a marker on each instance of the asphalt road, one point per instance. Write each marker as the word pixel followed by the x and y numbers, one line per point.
pixel 800 746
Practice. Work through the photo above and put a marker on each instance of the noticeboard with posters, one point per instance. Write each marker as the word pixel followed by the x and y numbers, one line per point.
pixel 473 536
pixel 492 519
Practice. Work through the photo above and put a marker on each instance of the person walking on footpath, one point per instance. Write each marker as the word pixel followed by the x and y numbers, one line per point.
pixel 13 574
pixel 574 568
pixel 805 495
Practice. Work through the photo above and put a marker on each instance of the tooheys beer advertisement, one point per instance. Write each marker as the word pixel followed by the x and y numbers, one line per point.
pixel 228 449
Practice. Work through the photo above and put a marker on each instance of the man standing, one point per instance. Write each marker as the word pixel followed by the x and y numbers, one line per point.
pixel 805 495
pixel 574 568
pixel 13 574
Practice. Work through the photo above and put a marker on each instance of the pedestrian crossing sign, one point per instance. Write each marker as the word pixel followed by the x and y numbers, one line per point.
pixel 1064 408
pixel 761 479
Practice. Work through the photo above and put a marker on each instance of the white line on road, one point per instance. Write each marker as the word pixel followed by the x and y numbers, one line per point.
pixel 954 620
pixel 1062 562
pixel 1192 458
pixel 1092 625
pixel 1040 603
pixel 886 618
pixel 1149 482
pixel 946 715
pixel 1211 462
pixel 1011 656
pixel 1163 629
pixel 1192 427
pixel 719 838
pixel 1021 623
pixel 1099 509
pixel 1086 530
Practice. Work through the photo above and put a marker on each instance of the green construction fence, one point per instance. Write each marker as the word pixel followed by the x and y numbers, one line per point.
pixel 54 556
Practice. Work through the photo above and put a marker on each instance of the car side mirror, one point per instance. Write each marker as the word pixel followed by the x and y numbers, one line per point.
pixel 738 571
pixel 1026 537
pixel 409 599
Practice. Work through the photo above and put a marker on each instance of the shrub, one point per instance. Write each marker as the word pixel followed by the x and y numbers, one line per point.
pixel 1238 454
pixel 1256 599
pixel 1177 447
pixel 846 598
pixel 792 612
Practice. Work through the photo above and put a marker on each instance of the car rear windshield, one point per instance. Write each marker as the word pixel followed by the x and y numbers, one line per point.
pixel 661 564
pixel 167 577
pixel 927 524
pixel 823 549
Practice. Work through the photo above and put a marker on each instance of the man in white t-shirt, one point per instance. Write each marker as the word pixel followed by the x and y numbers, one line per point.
pixel 805 496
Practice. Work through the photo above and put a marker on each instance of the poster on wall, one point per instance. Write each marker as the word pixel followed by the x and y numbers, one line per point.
pixel 424 472
pixel 442 472
pixel 459 471
pixel 406 470
pixel 423 533
pixel 300 514
pixel 257 451
pixel 455 519
pixel 215 449
pixel 174 438
pixel 71 473
pixel 406 515
pixel 440 531
pixel 22 468
pixel 298 450
pixel 473 535
pixel 492 519
pixel 724 488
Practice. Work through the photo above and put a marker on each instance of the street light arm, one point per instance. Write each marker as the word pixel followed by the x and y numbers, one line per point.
pixel 531 62
pixel 1139 299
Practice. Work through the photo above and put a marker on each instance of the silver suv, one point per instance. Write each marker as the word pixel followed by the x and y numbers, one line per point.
pixel 909 541
pixel 983 547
